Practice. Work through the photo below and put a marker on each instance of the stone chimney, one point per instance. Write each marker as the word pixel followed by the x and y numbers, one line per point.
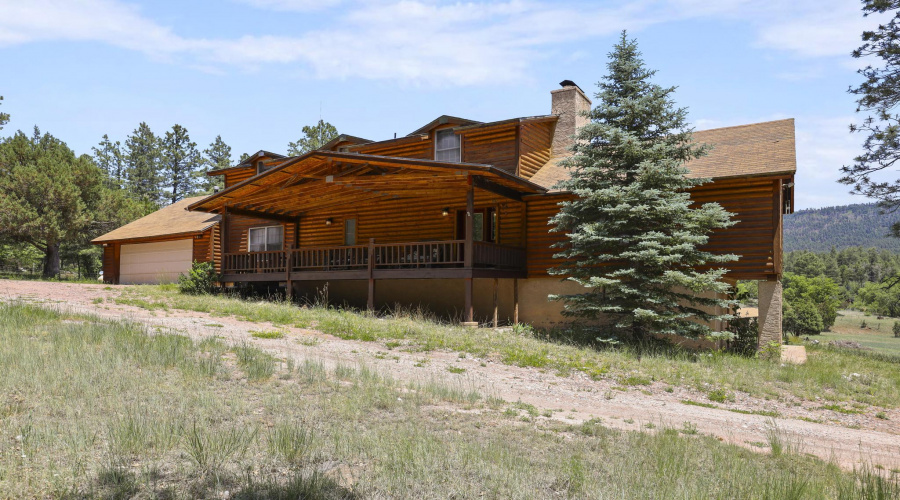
pixel 568 102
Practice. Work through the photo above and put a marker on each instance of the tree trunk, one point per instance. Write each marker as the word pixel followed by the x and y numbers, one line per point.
pixel 51 261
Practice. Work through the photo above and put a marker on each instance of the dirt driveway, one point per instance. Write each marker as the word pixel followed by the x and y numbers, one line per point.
pixel 850 440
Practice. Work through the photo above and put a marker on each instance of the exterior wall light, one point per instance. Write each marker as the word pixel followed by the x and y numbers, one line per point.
pixel 445 212
pixel 328 221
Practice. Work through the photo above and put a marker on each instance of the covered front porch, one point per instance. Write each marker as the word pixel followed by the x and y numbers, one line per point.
pixel 347 216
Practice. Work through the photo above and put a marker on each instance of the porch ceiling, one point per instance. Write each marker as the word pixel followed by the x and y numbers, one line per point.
pixel 321 179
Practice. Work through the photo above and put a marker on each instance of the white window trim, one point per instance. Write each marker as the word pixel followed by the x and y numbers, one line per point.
pixel 436 144
pixel 266 233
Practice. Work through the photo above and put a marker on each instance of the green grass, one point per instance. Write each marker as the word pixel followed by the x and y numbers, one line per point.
pixel 826 375
pixel 877 336
pixel 124 413
pixel 67 277
pixel 270 334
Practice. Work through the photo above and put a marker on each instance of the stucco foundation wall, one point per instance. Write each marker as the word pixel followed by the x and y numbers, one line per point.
pixel 536 309
pixel 444 297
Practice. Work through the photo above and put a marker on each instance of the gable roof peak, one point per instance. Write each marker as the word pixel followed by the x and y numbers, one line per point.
pixel 442 120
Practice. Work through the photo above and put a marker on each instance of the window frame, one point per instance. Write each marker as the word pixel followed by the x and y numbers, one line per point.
pixel 265 230
pixel 458 147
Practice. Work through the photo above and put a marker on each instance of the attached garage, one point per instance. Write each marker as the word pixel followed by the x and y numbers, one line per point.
pixel 161 246
pixel 159 262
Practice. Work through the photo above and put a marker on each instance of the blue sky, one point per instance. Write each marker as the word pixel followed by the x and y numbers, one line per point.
pixel 256 71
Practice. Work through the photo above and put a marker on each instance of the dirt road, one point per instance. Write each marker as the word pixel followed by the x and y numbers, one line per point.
pixel 850 440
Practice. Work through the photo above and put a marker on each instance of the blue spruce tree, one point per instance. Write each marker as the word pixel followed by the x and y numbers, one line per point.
pixel 633 237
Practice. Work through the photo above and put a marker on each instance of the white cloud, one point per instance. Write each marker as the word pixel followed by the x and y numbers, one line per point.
pixel 425 41
pixel 85 20
pixel 291 5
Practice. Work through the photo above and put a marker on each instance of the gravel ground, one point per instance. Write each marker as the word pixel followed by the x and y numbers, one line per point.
pixel 850 440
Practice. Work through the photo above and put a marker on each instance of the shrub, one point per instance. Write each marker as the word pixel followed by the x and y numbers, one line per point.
pixel 746 333
pixel 802 318
pixel 201 279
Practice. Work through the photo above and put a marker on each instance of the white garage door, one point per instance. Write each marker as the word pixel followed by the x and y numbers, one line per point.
pixel 160 262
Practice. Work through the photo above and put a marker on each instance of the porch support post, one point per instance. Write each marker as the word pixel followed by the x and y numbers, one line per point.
pixel 224 242
pixel 468 258
pixel 370 304
pixel 470 219
pixel 496 286
pixel 288 267
pixel 770 303
pixel 515 301
pixel 470 313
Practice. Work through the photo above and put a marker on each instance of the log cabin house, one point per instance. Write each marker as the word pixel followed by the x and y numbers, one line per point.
pixel 454 216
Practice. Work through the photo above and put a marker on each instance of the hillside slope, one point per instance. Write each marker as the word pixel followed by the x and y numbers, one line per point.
pixel 845 226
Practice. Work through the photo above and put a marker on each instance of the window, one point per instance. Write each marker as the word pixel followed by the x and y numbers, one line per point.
pixel 266 239
pixel 260 167
pixel 446 145
pixel 349 231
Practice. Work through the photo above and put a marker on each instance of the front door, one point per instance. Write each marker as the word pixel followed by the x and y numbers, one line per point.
pixel 484 225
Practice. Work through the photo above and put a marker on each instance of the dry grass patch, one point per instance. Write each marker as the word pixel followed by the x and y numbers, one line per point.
pixel 125 413
pixel 827 374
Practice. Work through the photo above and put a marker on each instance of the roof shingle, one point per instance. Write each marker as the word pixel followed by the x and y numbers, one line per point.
pixel 171 220
pixel 756 149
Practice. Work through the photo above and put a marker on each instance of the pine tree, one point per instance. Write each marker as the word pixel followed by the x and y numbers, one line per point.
pixel 181 163
pixel 49 196
pixel 142 164
pixel 878 95
pixel 633 240
pixel 4 117
pixel 109 158
pixel 217 156
pixel 313 138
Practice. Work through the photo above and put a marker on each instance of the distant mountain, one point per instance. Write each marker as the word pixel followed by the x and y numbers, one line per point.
pixel 819 229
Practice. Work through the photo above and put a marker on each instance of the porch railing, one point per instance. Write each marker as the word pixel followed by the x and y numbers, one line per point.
pixel 423 254
pixel 330 258
pixel 255 262
pixel 501 256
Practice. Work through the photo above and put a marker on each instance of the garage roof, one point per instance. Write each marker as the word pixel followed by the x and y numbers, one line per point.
pixel 172 220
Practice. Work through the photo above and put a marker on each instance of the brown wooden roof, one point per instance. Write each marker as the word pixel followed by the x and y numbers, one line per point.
pixel 753 150
pixel 321 178
pixel 168 221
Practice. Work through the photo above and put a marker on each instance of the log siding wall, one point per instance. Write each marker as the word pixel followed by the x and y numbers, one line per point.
pixel 237 175
pixel 756 238
pixel 534 147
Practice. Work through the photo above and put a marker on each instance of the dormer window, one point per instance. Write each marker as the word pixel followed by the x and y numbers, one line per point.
pixel 262 167
pixel 446 145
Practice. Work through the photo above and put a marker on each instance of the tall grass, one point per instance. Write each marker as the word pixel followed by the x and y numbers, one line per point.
pixel 105 409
